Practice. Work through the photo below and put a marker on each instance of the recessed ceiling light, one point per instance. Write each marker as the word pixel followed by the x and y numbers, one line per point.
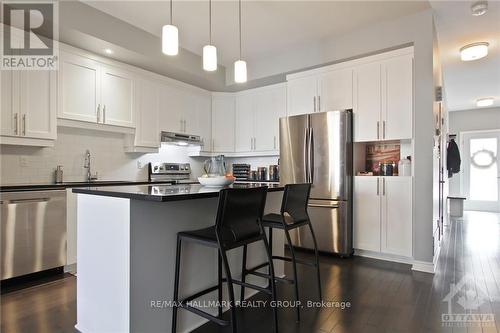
pixel 482 102
pixel 479 8
pixel 474 51
pixel 108 51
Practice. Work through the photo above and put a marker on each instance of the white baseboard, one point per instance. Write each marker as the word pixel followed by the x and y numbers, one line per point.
pixel 383 256
pixel 423 266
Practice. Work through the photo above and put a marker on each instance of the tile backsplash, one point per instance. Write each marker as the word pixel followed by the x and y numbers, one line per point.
pixel 20 165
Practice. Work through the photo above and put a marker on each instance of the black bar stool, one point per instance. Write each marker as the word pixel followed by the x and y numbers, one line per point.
pixel 237 224
pixel 293 215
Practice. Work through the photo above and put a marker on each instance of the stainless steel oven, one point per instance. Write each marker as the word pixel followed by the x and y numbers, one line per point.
pixel 33 232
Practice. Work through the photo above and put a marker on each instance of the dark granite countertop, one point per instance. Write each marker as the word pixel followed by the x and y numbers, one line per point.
pixel 62 186
pixel 167 192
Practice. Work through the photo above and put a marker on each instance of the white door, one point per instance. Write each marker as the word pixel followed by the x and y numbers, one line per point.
pixel 147 131
pixel 397 98
pixel 244 129
pixel 117 97
pixel 396 216
pixel 336 90
pixel 481 175
pixel 171 106
pixel 190 114
pixel 367 102
pixel 223 120
pixel 302 95
pixel 204 116
pixel 9 121
pixel 270 107
pixel 38 104
pixel 366 225
pixel 79 88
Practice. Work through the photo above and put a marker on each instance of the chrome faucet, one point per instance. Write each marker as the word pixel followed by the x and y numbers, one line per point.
pixel 87 165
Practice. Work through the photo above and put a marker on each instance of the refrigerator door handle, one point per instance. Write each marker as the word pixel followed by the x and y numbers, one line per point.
pixel 311 155
pixel 306 154
pixel 323 206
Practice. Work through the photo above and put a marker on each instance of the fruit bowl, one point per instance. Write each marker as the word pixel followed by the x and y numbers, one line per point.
pixel 218 181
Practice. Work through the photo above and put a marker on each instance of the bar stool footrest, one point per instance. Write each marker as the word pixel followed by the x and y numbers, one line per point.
pixel 252 286
pixel 298 261
pixel 205 315
pixel 276 278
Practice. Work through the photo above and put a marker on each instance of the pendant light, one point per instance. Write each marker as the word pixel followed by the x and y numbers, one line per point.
pixel 209 51
pixel 170 37
pixel 240 66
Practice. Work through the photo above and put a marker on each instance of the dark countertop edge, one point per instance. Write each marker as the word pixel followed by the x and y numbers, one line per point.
pixel 157 198
pixel 62 186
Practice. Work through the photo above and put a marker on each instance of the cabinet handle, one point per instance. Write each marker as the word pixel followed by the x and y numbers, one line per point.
pixel 383 186
pixel 275 142
pixel 314 103
pixel 378 186
pixel 16 124
pixel 185 122
pixel 319 103
pixel 24 125
pixel 383 128
pixel 104 114
pixel 98 113
pixel 378 129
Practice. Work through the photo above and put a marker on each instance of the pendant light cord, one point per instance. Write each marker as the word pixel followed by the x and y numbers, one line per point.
pixel 170 12
pixel 210 21
pixel 239 8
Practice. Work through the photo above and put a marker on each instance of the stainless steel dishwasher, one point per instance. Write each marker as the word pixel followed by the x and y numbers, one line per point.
pixel 33 232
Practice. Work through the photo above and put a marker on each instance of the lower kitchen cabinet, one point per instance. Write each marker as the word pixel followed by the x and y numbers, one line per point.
pixel 383 215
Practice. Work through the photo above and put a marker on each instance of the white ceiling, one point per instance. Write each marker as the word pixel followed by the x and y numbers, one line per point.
pixel 465 82
pixel 269 27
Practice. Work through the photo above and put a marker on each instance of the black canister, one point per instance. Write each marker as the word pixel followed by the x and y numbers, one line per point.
pixel 386 169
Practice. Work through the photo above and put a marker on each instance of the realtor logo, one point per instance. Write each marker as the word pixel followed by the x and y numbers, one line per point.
pixel 29 35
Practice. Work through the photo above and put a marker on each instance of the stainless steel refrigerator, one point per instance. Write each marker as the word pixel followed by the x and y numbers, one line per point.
pixel 317 148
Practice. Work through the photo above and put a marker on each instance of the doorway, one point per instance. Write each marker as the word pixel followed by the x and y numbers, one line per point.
pixel 481 177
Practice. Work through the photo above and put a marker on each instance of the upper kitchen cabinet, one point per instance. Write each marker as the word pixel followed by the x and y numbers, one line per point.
pixel 79 87
pixel 117 97
pixel 223 122
pixel 302 95
pixel 383 98
pixel 335 89
pixel 257 120
pixel 147 106
pixel 397 97
pixel 28 107
pixel 367 102
pixel 94 92
pixel 270 107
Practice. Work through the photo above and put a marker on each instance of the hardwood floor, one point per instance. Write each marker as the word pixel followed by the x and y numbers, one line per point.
pixel 385 297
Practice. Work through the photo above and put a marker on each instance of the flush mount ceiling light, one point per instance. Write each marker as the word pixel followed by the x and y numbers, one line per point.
pixel 479 8
pixel 170 37
pixel 108 51
pixel 240 66
pixel 474 51
pixel 482 102
pixel 209 51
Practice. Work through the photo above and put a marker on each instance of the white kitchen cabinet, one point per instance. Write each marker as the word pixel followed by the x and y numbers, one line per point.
pixel 397 98
pixel 29 107
pixel 367 102
pixel 117 97
pixel 79 88
pixel 302 95
pixel 93 92
pixel 223 122
pixel 396 216
pixel 382 220
pixel 147 132
pixel 245 122
pixel 204 117
pixel 270 107
pixel 335 89
pixel 366 214
pixel 172 104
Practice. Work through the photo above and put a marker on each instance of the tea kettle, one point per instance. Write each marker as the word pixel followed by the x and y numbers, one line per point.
pixel 215 166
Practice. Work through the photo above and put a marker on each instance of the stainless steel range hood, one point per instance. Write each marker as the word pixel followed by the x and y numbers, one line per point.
pixel 181 139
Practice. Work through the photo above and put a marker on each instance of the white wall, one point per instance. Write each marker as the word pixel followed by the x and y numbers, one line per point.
pixel 36 165
pixel 471 120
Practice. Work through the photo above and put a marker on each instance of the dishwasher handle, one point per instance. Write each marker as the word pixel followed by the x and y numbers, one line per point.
pixel 30 200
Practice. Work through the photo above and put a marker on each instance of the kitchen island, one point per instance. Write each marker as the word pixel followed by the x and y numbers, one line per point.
pixel 126 254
